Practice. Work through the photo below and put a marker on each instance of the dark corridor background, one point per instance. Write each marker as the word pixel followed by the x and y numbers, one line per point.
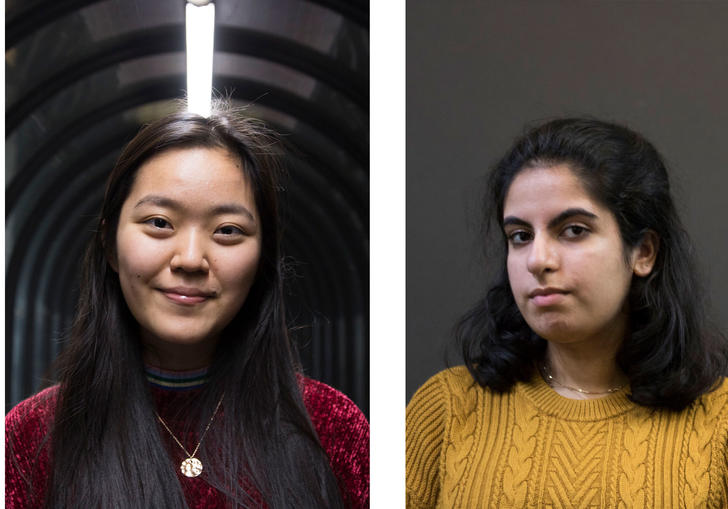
pixel 82 77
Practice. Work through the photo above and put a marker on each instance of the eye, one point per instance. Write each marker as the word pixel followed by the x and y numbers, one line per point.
pixel 519 237
pixel 229 233
pixel 575 231
pixel 159 223
pixel 229 230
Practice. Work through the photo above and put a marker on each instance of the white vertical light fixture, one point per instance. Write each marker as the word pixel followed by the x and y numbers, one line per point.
pixel 200 25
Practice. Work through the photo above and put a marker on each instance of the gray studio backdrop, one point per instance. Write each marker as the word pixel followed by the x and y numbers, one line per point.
pixel 477 71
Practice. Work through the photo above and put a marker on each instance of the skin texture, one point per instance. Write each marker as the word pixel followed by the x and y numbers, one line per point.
pixel 188 245
pixel 566 246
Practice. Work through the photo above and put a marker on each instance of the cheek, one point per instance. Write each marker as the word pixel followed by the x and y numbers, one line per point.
pixel 516 269
pixel 606 279
pixel 138 259
pixel 236 269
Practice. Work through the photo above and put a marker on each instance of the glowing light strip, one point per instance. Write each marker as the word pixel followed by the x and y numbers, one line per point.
pixel 200 24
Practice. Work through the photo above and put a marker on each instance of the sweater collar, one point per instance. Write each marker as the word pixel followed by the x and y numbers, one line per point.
pixel 176 380
pixel 543 397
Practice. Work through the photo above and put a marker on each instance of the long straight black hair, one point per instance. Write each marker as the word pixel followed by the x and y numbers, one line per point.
pixel 672 354
pixel 107 449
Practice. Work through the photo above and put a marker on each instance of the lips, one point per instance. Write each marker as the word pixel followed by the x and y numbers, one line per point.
pixel 547 296
pixel 187 295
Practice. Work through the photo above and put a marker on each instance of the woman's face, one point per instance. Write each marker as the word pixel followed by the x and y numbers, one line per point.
pixel 566 260
pixel 187 249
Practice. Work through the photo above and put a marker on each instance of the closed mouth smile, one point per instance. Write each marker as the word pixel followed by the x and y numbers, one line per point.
pixel 187 295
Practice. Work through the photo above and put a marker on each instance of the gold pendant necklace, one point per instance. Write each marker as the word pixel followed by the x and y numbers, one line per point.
pixel 192 467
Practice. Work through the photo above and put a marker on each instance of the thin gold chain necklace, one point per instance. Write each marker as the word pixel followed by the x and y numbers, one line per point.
pixel 546 372
pixel 191 467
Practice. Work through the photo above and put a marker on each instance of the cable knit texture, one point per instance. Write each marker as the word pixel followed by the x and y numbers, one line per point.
pixel 342 428
pixel 471 447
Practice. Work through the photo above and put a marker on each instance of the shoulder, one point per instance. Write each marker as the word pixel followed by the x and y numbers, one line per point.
pixel 33 414
pixel 450 390
pixel 26 448
pixel 718 395
pixel 710 407
pixel 331 409
pixel 27 424
pixel 449 396
pixel 713 405
pixel 705 449
pixel 318 393
pixel 706 424
pixel 344 434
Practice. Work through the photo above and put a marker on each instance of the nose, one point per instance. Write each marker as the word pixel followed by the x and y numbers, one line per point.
pixel 190 252
pixel 542 256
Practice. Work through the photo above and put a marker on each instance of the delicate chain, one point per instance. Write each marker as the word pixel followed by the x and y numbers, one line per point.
pixel 552 381
pixel 203 433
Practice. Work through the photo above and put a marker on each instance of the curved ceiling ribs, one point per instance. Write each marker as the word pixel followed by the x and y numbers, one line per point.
pixel 168 39
pixel 68 118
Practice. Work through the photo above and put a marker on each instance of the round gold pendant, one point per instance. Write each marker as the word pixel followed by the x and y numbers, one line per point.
pixel 191 467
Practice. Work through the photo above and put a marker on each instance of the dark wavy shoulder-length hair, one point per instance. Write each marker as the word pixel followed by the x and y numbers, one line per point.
pixel 671 354
pixel 107 449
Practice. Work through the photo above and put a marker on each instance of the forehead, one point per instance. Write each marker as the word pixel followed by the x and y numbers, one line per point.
pixel 197 173
pixel 546 189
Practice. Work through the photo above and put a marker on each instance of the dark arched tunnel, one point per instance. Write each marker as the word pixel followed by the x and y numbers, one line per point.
pixel 83 76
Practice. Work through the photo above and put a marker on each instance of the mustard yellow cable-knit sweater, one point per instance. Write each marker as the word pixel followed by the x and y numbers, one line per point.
pixel 470 447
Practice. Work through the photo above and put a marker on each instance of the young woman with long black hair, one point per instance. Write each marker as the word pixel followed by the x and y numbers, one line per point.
pixel 179 385
pixel 592 377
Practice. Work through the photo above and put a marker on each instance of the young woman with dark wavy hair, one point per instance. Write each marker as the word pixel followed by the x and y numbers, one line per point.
pixel 179 385
pixel 592 377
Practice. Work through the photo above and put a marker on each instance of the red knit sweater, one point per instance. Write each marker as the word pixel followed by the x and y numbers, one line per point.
pixel 342 429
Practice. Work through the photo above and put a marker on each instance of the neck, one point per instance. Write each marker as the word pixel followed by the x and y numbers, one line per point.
pixel 594 370
pixel 177 355
pixel 177 358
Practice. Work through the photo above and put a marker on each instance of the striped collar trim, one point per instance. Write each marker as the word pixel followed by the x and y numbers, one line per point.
pixel 176 380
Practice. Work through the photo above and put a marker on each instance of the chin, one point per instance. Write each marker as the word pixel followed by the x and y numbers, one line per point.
pixel 558 331
pixel 183 337
pixel 183 340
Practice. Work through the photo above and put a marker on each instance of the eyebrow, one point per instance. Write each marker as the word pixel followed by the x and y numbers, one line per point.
pixel 223 208
pixel 563 216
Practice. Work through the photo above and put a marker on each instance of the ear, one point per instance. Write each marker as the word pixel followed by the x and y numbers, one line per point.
pixel 645 254
pixel 112 262
pixel 109 253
